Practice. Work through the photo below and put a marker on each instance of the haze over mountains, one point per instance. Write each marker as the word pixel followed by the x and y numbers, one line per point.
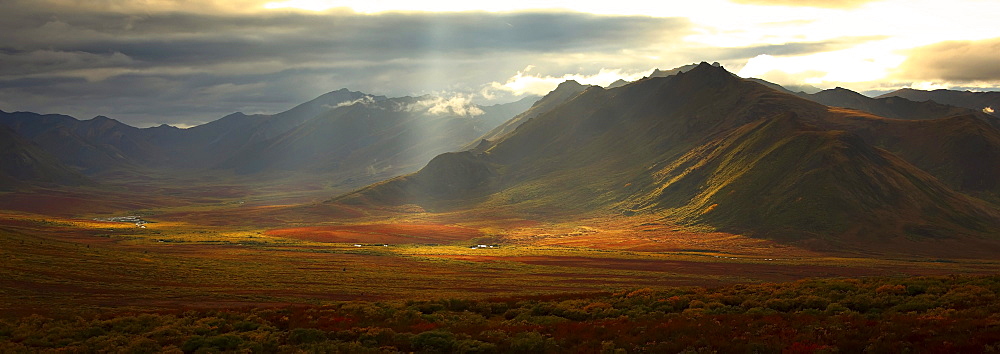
pixel 356 135
pixel 695 144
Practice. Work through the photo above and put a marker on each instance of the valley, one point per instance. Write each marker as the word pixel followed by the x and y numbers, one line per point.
pixel 689 181
pixel 232 254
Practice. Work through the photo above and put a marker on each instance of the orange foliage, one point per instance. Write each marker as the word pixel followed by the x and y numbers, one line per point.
pixel 379 233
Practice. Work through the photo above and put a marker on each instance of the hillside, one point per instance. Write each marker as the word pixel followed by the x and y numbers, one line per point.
pixel 965 154
pixel 562 93
pixel 703 146
pixel 23 163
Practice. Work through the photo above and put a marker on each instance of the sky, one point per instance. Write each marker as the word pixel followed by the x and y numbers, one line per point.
pixel 187 62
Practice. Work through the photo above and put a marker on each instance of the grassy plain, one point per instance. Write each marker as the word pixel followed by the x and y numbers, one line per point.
pixel 221 251
pixel 223 268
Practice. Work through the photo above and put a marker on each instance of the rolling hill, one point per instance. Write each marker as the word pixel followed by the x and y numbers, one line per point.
pixel 707 148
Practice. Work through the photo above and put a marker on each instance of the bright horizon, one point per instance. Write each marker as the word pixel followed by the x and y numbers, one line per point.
pixel 165 61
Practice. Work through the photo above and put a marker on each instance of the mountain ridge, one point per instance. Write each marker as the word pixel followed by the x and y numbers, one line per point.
pixel 986 102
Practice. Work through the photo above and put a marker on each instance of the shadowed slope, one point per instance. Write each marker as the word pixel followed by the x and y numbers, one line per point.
pixel 785 178
pixel 961 151
pixel 564 92
pixel 23 163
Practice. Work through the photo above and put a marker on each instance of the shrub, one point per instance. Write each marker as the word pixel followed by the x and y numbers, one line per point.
pixel 531 342
pixel 436 340
pixel 306 335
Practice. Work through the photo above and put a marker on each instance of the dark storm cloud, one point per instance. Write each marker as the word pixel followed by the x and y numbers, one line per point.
pixel 192 67
pixel 184 38
pixel 954 61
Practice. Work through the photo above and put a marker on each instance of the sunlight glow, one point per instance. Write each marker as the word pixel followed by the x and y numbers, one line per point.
pixel 863 63
pixel 836 48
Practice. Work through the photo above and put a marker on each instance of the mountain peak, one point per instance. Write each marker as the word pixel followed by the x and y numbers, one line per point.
pixel 618 83
pixel 711 73
pixel 568 84
pixel 706 66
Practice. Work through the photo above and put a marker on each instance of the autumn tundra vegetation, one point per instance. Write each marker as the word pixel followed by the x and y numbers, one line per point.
pixel 918 314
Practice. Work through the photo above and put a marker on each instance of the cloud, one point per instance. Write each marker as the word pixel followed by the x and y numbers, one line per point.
pixel 791 48
pixel 366 100
pixel 953 61
pixel 829 4
pixel 524 83
pixel 459 105
pixel 85 58
pixel 145 6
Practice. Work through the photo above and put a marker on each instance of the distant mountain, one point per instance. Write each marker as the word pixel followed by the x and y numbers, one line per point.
pixel 890 107
pixel 495 115
pixel 617 83
pixel 325 134
pixel 678 70
pixel 987 102
pixel 704 147
pixel 370 140
pixel 209 144
pixel 92 146
pixel 23 163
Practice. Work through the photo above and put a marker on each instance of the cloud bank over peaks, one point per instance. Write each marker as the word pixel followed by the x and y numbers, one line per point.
pixel 527 83
pixel 456 104
pixel 366 100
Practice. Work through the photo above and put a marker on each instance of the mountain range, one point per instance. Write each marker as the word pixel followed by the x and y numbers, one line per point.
pixel 357 137
pixel 695 145
pixel 708 148
pixel 987 102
